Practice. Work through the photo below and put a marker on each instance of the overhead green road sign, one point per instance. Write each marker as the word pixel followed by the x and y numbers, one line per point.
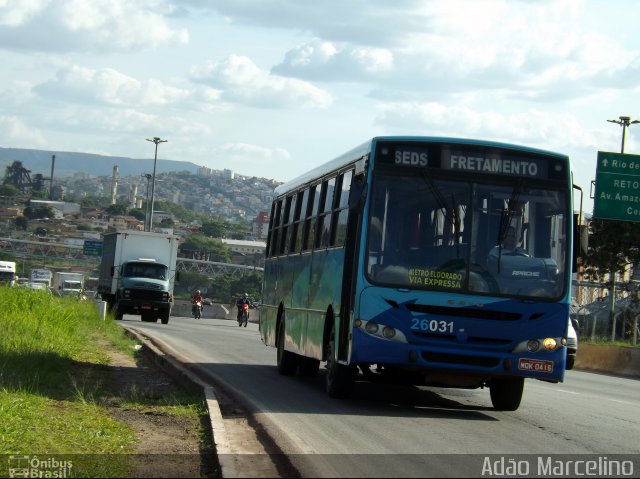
pixel 617 187
pixel 92 248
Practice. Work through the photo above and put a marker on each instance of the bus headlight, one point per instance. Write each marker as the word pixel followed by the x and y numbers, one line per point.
pixel 533 345
pixel 371 327
pixel 380 330
pixel 538 345
pixel 388 332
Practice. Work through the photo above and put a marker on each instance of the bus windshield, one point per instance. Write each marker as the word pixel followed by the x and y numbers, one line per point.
pixel 465 235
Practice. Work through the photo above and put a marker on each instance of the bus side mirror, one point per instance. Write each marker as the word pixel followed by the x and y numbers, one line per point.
pixel 580 244
pixel 113 270
pixel 178 276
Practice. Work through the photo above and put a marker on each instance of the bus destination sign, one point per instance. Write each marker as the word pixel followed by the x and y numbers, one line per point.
pixel 469 160
pixel 493 164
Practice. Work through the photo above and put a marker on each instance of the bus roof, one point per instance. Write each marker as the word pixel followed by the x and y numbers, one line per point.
pixel 366 147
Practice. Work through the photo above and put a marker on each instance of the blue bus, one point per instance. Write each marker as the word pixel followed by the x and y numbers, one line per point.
pixel 433 261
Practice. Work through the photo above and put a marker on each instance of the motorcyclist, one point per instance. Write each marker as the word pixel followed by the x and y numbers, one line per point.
pixel 197 297
pixel 242 301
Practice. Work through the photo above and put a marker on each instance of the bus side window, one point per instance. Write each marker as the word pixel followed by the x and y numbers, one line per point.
pixel 309 231
pixel 269 237
pixel 286 220
pixel 301 212
pixel 341 209
pixel 277 230
pixel 324 217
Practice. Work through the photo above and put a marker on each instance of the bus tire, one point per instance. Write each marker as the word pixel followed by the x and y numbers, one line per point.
pixel 286 360
pixel 506 393
pixel 309 367
pixel 339 378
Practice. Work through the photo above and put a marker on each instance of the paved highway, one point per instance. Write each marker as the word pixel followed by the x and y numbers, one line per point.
pixel 393 431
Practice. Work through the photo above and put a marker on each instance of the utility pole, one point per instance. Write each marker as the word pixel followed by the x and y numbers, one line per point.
pixel 624 122
pixel 155 140
pixel 146 211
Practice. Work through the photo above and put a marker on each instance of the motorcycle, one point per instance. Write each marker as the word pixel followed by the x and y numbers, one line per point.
pixel 196 309
pixel 244 316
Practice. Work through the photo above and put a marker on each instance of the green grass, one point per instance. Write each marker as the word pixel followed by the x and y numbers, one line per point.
pixel 52 389
pixel 607 341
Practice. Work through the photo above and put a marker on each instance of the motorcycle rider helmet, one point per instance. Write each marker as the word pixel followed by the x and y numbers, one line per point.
pixel 197 291
pixel 246 295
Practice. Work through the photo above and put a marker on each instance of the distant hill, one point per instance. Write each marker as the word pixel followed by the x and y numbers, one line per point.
pixel 67 163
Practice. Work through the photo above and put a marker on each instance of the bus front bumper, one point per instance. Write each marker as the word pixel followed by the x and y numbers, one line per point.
pixel 547 365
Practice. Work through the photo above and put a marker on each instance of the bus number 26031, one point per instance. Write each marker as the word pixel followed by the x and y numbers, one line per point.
pixel 431 325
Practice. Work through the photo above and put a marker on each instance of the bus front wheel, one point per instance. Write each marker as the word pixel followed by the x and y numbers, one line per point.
pixel 340 378
pixel 506 393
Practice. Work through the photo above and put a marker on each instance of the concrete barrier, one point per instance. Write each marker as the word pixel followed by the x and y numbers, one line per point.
pixel 183 308
pixel 621 360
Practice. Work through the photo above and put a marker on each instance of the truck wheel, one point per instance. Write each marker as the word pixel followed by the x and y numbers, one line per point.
pixel 165 317
pixel 119 314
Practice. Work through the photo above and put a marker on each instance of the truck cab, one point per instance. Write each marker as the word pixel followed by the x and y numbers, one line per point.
pixel 144 289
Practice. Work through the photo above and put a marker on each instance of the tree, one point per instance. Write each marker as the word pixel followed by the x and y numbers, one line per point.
pixel 137 213
pixel 200 247
pixel 215 228
pixel 8 190
pixel 190 281
pixel 119 209
pixel 613 247
pixel 43 211
pixel 21 223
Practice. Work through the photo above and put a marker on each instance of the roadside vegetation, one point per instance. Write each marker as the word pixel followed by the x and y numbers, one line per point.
pixel 55 388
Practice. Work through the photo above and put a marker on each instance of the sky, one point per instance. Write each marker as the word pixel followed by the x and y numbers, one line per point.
pixel 273 88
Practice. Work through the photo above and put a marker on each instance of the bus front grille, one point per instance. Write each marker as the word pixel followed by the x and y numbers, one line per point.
pixel 442 358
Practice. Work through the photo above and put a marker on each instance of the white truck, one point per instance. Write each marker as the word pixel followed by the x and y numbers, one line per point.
pixel 8 273
pixel 68 284
pixel 137 274
pixel 43 276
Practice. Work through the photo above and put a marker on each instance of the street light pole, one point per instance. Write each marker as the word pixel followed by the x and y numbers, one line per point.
pixel 624 121
pixel 155 140
pixel 146 212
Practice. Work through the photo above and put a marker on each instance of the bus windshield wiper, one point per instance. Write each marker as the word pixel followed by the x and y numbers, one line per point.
pixel 450 217
pixel 506 216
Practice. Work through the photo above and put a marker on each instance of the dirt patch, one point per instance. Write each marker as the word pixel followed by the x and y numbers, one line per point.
pixel 168 445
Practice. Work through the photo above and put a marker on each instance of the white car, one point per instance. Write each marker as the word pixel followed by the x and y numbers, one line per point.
pixel 572 343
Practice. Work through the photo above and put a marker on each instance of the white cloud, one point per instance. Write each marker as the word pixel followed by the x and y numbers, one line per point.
pixel 367 22
pixel 13 131
pixel 321 60
pixel 242 81
pixel 14 13
pixel 108 86
pixel 248 153
pixel 86 25
pixel 531 127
